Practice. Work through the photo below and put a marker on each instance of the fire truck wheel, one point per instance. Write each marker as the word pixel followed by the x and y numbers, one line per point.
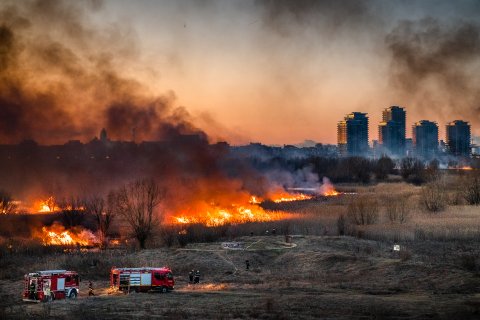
pixel 164 290
pixel 73 294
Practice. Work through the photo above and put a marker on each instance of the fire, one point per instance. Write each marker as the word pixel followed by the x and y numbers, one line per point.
pixel 46 205
pixel 235 214
pixel 291 197
pixel 57 235
pixel 331 193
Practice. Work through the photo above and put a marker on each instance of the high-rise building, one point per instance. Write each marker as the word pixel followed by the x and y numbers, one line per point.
pixel 352 134
pixel 391 131
pixel 425 138
pixel 458 138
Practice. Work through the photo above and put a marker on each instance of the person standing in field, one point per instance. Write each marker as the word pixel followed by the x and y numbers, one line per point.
pixel 190 276
pixel 197 277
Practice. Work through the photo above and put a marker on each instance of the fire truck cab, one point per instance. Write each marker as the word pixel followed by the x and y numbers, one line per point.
pixel 51 285
pixel 142 279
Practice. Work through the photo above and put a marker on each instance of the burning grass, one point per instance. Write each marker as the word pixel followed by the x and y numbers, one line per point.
pixel 56 234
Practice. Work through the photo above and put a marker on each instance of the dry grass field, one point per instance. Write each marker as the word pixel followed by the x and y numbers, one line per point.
pixel 319 274
pixel 317 277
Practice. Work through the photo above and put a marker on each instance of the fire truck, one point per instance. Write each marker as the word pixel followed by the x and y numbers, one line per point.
pixel 51 285
pixel 142 279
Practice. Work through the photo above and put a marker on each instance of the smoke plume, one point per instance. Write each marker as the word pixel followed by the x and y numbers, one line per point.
pixel 435 67
pixel 63 77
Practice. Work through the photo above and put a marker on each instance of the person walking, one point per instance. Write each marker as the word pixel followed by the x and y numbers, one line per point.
pixel 247 265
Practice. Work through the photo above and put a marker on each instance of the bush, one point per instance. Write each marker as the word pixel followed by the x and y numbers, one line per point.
pixel 363 211
pixel 383 167
pixel 471 192
pixel 405 255
pixel 341 225
pixel 470 262
pixel 413 171
pixel 397 209
pixel 433 197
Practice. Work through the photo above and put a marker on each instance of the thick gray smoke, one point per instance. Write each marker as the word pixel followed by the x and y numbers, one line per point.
pixel 63 77
pixel 435 66
pixel 324 16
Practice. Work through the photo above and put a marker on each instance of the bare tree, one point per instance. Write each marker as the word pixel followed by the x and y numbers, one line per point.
pixel 433 196
pixel 362 211
pixel 103 212
pixel 136 203
pixel 73 211
pixel 398 209
pixel 7 205
pixel 471 193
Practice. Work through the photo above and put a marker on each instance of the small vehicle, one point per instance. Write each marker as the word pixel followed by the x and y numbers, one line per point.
pixel 48 285
pixel 142 279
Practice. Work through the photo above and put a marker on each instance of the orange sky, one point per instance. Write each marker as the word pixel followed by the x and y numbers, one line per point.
pixel 274 72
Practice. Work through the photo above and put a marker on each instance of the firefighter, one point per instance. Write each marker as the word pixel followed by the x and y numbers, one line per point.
pixel 90 289
pixel 32 288
pixel 197 277
pixel 46 291
pixel 247 265
pixel 190 276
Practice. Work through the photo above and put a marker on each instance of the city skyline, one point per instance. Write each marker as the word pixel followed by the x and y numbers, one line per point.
pixel 354 136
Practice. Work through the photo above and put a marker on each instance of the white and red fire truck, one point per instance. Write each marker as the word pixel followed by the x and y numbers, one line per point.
pixel 51 285
pixel 142 279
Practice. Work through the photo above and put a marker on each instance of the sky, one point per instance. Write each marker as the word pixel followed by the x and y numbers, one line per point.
pixel 275 72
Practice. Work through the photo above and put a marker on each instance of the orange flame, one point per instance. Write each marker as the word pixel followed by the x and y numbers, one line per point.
pixel 216 216
pixel 291 197
pixel 45 205
pixel 57 235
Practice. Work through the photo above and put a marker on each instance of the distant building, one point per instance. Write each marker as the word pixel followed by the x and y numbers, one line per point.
pixel 458 138
pixel 352 134
pixel 476 146
pixel 425 139
pixel 391 131
pixel 103 136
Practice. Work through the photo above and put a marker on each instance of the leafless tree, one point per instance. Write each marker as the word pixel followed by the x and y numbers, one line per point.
pixel 471 193
pixel 136 203
pixel 73 211
pixel 7 205
pixel 433 196
pixel 398 209
pixel 363 210
pixel 103 212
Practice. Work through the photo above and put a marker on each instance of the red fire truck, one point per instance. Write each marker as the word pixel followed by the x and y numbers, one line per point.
pixel 50 285
pixel 142 279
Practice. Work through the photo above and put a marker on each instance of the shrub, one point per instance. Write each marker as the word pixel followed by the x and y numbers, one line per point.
pixel 413 171
pixel 469 262
pixel 341 225
pixel 397 209
pixel 471 192
pixel 363 211
pixel 405 255
pixel 383 167
pixel 433 196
